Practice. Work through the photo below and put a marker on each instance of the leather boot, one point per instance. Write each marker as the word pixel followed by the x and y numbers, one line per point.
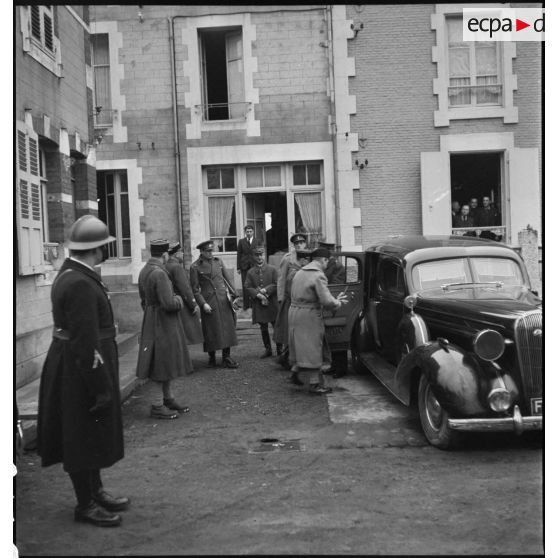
pixel 111 503
pixel 96 515
pixel 267 353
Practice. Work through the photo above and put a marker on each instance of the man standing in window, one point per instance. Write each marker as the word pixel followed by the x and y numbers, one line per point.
pixel 487 216
pixel 163 354
pixel 245 259
pixel 80 419
pixel 213 291
pixel 261 286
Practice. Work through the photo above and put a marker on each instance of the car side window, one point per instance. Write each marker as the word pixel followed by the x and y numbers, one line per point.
pixel 390 278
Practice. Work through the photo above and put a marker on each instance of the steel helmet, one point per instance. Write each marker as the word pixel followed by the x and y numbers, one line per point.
pixel 88 232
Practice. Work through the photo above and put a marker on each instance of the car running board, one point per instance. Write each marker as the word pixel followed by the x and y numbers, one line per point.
pixel 384 371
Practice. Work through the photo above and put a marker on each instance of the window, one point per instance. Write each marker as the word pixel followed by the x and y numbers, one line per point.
pixel 42 30
pixel 44 180
pixel 307 174
pixel 101 71
pixel 112 193
pixel 435 274
pixel 220 178
pixel 29 202
pixel 308 216
pixel 474 69
pixel 222 223
pixel 390 278
pixel 259 177
pixel 222 74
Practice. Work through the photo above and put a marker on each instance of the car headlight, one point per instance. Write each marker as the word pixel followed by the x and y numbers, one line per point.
pixel 489 344
pixel 499 399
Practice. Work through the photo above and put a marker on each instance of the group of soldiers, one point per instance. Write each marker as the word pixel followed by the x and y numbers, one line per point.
pixel 80 417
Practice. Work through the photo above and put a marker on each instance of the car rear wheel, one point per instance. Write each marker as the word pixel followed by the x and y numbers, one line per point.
pixel 434 418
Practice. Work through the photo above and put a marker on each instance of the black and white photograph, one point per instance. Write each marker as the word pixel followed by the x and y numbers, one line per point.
pixel 278 280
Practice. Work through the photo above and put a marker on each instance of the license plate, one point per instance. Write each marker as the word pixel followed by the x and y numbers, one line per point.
pixel 536 405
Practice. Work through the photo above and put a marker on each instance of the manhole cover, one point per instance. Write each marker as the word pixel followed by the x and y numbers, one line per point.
pixel 274 444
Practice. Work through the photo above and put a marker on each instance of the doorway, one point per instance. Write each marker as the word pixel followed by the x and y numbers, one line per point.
pixel 267 213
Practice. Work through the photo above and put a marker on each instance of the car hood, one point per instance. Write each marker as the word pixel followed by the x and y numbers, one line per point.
pixel 477 302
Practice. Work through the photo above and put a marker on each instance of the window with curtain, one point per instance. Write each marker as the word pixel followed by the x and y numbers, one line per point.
pixel 260 177
pixel 474 69
pixel 112 195
pixel 308 216
pixel 101 71
pixel 222 223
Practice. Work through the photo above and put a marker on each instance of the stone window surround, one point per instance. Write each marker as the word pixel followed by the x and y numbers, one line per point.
pixel 445 113
pixel 191 69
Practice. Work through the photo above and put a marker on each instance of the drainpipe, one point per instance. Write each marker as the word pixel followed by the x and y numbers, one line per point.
pixel 176 136
pixel 330 54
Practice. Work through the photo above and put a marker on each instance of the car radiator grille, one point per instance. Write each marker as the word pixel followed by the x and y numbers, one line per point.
pixel 528 338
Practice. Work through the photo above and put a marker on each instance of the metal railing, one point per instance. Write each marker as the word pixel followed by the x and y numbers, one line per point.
pixel 224 111
pixel 497 233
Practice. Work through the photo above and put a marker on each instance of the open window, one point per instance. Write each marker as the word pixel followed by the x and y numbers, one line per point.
pixel 100 60
pixel 222 74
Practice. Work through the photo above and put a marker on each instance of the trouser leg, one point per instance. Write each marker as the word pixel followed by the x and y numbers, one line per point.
pixel 167 391
pixel 81 481
pixel 264 330
pixel 226 352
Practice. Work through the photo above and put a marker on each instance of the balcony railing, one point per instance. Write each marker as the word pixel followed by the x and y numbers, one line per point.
pixel 224 111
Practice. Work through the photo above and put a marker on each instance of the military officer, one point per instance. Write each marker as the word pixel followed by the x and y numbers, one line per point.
pixel 163 354
pixel 180 278
pixel 80 420
pixel 261 286
pixel 308 351
pixel 298 240
pixel 214 293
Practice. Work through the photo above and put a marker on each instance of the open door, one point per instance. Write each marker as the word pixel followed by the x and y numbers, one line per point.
pixel 339 324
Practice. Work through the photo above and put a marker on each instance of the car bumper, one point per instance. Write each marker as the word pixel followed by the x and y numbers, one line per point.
pixel 517 423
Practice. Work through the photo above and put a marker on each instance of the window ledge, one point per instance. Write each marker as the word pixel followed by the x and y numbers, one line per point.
pixel 222 125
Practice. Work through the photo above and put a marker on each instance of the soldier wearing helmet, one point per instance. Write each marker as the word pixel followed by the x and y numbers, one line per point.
pixel 80 421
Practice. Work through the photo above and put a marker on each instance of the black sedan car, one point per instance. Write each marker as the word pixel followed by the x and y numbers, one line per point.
pixel 450 324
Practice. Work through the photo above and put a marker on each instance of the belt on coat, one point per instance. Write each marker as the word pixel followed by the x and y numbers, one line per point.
pixel 315 305
pixel 64 334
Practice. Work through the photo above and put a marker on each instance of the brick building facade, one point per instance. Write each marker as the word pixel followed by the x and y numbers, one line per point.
pixel 205 118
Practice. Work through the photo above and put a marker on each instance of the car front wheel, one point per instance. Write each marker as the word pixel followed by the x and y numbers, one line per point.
pixel 434 418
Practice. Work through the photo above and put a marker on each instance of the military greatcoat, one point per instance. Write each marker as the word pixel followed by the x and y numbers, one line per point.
pixel 309 295
pixel 281 328
pixel 207 278
pixel 262 277
pixel 66 431
pixel 163 354
pixel 181 284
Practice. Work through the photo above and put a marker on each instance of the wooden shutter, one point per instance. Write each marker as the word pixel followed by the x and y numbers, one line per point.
pixel 235 75
pixel 36 22
pixel 525 201
pixel 28 202
pixel 435 192
pixel 48 31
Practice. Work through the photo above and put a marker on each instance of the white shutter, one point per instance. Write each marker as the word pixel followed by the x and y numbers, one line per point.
pixel 525 201
pixel 204 79
pixel 235 75
pixel 28 202
pixel 435 192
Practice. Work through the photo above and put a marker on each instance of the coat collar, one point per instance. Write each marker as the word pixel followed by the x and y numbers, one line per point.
pixel 77 266
pixel 155 262
pixel 313 266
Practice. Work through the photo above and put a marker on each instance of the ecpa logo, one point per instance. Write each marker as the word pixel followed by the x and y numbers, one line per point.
pixel 503 24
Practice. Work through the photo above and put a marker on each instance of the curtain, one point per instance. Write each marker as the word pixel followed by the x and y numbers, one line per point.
pixel 220 215
pixel 102 77
pixel 310 210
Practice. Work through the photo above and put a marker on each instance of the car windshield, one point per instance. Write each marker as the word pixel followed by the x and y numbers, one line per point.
pixel 470 272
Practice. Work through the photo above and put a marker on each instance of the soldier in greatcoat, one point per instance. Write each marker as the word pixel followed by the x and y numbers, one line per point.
pixel 335 274
pixel 163 355
pixel 180 278
pixel 212 286
pixel 80 421
pixel 281 328
pixel 309 295
pixel 298 241
pixel 261 286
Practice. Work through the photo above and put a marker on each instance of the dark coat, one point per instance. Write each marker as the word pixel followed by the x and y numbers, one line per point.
pixel 66 431
pixel 262 277
pixel 163 354
pixel 309 295
pixel 487 217
pixel 281 327
pixel 460 221
pixel 334 272
pixel 245 257
pixel 208 283
pixel 181 284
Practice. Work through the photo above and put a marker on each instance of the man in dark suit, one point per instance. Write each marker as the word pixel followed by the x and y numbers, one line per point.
pixel 245 259
pixel 464 220
pixel 80 419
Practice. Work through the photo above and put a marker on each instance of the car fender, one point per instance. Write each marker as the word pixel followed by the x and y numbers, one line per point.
pixel 452 373
pixel 412 332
